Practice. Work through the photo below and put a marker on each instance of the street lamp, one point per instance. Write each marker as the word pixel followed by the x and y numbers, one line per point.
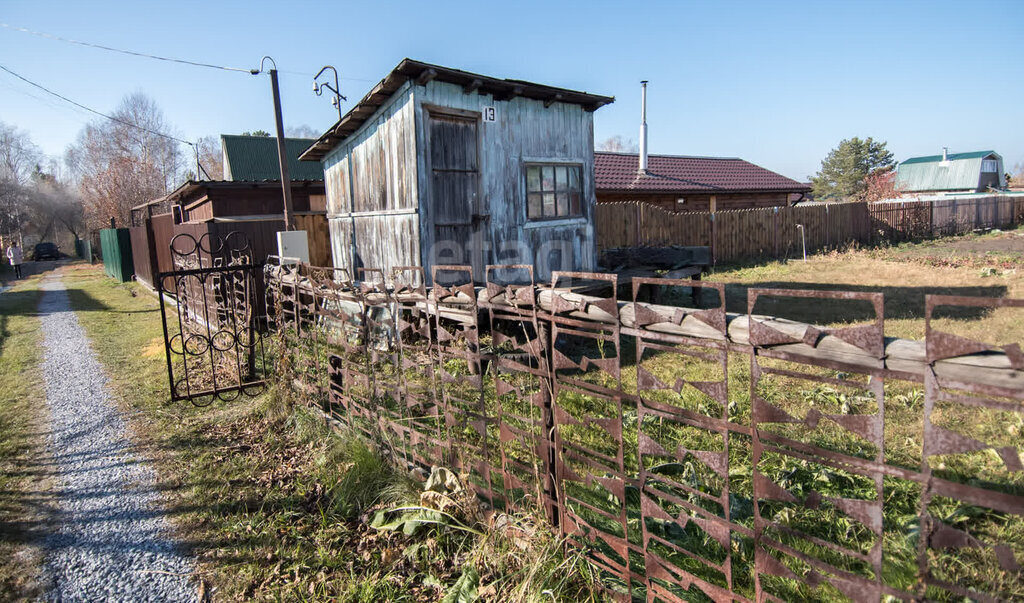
pixel 318 88
pixel 282 153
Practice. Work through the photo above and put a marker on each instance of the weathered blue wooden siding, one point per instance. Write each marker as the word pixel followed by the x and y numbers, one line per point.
pixel 372 191
pixel 523 131
pixel 379 184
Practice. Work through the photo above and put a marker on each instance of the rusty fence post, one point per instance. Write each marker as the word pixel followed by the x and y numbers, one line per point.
pixel 548 417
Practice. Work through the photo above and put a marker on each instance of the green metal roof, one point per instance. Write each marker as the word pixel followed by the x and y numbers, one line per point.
pixel 254 158
pixel 950 156
pixel 961 172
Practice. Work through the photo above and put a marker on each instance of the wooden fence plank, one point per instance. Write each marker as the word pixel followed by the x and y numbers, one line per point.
pixel 736 235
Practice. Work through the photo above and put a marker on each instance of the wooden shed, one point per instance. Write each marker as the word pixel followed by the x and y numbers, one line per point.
pixel 440 166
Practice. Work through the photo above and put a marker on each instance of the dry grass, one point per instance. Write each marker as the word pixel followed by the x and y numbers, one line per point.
pixel 903 277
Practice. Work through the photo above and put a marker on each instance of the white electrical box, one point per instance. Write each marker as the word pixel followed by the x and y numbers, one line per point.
pixel 293 246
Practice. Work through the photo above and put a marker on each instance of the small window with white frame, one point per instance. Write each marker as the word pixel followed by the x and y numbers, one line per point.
pixel 553 191
pixel 990 166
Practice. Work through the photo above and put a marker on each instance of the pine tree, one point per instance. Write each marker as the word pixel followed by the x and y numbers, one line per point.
pixel 844 172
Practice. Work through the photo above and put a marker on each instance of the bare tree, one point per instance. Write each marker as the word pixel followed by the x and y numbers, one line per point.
pixel 1016 179
pixel 34 204
pixel 18 157
pixel 53 206
pixel 618 144
pixel 211 158
pixel 13 198
pixel 122 163
pixel 18 154
pixel 879 186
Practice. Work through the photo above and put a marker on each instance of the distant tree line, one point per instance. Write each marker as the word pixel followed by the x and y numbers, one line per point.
pixel 33 198
pixel 113 165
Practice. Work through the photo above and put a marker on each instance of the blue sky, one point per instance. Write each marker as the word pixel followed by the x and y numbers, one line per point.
pixel 778 84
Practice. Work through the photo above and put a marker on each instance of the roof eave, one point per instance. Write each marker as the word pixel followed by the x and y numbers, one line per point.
pixel 706 191
pixel 422 73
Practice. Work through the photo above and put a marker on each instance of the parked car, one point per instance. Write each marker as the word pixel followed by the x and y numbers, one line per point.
pixel 46 251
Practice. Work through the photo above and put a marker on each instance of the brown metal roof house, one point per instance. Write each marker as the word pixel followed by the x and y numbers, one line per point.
pixel 251 189
pixel 437 166
pixel 684 183
pixel 249 202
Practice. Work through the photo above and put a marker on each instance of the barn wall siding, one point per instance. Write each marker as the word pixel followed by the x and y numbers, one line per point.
pixel 523 131
pixel 369 177
pixel 341 243
pixel 380 182
pixel 386 241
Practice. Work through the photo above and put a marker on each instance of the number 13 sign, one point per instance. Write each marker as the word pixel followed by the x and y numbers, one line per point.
pixel 489 114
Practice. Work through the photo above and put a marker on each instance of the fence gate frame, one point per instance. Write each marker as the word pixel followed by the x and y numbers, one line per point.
pixel 217 352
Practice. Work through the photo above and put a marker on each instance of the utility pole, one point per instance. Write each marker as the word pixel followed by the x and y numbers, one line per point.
pixel 282 152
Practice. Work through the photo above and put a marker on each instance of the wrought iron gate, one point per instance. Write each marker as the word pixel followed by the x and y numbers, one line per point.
pixel 213 337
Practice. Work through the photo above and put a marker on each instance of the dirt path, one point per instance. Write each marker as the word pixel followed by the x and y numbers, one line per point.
pixel 111 540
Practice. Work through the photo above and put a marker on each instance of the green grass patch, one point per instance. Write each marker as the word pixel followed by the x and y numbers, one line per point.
pixel 24 504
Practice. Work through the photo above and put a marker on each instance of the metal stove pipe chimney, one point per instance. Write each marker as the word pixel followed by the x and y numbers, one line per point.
pixel 643 126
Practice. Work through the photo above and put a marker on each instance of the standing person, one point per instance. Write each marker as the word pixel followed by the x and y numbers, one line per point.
pixel 14 256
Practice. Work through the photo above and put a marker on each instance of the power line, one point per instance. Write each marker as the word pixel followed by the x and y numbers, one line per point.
pixel 81 106
pixel 122 51
pixel 159 58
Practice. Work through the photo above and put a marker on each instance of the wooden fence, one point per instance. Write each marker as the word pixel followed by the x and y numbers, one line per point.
pixel 775 232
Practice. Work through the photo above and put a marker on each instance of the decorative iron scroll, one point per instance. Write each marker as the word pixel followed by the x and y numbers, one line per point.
pixel 694 454
pixel 213 339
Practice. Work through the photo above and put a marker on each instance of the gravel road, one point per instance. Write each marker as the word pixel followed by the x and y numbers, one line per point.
pixel 110 539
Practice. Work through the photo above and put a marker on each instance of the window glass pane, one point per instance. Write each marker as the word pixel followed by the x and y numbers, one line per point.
pixel 554 190
pixel 574 178
pixel 563 203
pixel 548 181
pixel 533 205
pixel 532 178
pixel 561 177
pixel 574 204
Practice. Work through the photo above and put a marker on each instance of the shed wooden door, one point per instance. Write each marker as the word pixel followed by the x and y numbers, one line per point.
pixel 459 223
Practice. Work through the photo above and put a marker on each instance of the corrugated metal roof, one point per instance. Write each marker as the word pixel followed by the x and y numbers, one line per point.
pixel 961 172
pixel 619 172
pixel 950 156
pixel 255 158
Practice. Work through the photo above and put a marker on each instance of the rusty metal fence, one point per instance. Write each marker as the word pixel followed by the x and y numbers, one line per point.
pixel 695 454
